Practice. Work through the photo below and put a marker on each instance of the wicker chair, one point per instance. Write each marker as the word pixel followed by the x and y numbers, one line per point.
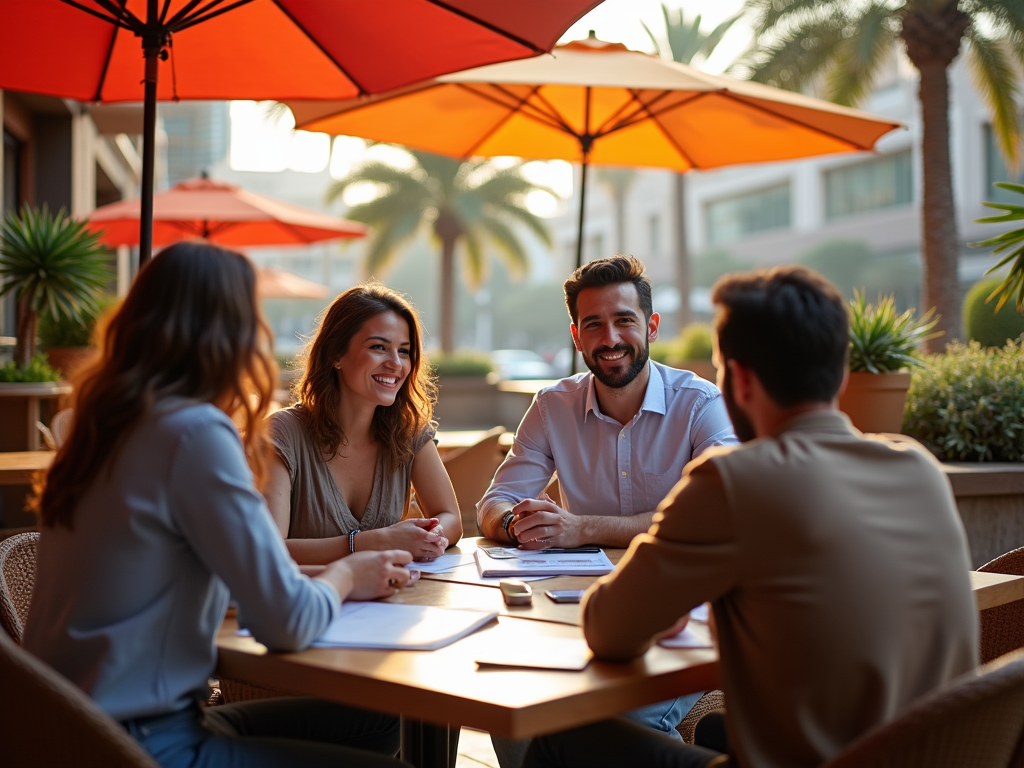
pixel 17 577
pixel 1002 627
pixel 47 721
pixel 709 702
pixel 975 722
pixel 471 470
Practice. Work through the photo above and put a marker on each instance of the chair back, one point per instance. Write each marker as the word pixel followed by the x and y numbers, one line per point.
pixel 471 469
pixel 46 720
pixel 977 721
pixel 60 426
pixel 17 578
pixel 1002 627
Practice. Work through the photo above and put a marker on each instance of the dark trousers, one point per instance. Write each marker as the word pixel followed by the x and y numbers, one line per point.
pixel 619 742
pixel 271 733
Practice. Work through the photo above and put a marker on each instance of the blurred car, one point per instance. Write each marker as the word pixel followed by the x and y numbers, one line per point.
pixel 520 364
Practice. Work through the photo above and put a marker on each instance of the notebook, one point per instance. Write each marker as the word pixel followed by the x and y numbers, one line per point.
pixel 397 627
pixel 521 562
pixel 562 653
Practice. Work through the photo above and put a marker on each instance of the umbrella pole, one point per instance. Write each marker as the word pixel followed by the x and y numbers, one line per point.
pixel 152 54
pixel 579 237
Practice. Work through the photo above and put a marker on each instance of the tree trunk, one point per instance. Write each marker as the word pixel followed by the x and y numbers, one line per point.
pixel 682 253
pixel 933 41
pixel 448 295
pixel 26 346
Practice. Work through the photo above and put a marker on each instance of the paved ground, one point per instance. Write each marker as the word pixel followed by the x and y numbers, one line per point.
pixel 475 750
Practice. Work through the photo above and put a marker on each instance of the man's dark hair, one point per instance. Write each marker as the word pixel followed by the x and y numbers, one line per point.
pixel 789 326
pixel 609 271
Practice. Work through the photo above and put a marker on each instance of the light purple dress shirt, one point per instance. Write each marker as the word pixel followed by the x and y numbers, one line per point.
pixel 604 467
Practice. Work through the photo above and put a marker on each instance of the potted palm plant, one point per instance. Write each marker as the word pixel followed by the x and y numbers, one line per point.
pixel 883 344
pixel 47 262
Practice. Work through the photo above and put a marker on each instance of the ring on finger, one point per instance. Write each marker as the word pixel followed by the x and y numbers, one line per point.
pixel 393 583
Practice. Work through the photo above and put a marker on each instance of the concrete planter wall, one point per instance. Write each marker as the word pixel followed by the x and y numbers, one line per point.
pixel 990 498
pixel 467 402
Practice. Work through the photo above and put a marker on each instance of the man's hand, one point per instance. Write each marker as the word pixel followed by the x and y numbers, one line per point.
pixel 540 523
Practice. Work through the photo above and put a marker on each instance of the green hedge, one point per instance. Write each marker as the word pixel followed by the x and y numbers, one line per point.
pixel 68 332
pixel 968 403
pixel 983 324
pixel 462 364
pixel 694 342
pixel 38 370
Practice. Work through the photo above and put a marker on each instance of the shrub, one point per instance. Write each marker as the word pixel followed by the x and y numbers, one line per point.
pixel 67 331
pixel 981 320
pixel 968 403
pixel 37 370
pixel 694 342
pixel 462 364
pixel 882 340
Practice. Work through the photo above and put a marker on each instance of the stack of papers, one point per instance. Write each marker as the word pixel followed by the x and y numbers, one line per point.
pixel 696 634
pixel 521 562
pixel 392 626
pixel 563 653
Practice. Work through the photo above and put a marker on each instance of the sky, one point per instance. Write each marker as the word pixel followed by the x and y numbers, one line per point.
pixel 260 143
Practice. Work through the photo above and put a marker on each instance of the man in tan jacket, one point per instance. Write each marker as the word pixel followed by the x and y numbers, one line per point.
pixel 835 562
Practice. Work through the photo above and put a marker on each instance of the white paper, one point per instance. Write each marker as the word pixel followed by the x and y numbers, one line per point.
pixel 469 574
pixel 393 626
pixel 695 635
pixel 442 563
pixel 541 563
pixel 565 653
pixel 701 612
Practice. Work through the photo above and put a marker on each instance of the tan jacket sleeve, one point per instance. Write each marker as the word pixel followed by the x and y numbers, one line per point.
pixel 689 556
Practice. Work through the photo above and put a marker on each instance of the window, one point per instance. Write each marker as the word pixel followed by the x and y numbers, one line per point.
pixel 996 170
pixel 736 217
pixel 884 182
pixel 654 237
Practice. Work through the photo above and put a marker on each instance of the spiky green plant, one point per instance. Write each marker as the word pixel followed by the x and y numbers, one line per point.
pixel 1012 241
pixel 463 202
pixel 49 262
pixel 883 340
pixel 844 46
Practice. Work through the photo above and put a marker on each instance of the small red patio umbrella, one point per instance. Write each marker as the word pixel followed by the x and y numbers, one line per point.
pixel 277 283
pixel 258 49
pixel 222 213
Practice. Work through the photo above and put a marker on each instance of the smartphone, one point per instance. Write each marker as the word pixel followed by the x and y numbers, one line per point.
pixel 565 595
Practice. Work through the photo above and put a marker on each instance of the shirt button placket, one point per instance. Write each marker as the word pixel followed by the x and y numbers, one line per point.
pixel 625 485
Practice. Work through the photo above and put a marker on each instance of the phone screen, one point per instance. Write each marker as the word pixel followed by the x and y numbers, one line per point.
pixel 565 595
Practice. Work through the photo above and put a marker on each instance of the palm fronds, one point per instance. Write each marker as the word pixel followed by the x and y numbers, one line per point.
pixel 1011 243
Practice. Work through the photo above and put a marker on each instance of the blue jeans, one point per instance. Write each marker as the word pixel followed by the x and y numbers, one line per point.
pixel 663 716
pixel 270 733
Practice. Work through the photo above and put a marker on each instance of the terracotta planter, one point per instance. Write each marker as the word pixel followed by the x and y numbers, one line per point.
pixel 68 359
pixel 875 401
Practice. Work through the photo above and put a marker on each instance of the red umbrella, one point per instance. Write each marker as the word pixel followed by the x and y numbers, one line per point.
pixel 221 213
pixel 277 283
pixel 258 49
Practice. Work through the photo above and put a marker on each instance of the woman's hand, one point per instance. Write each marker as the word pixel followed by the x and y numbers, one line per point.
pixel 414 536
pixel 369 575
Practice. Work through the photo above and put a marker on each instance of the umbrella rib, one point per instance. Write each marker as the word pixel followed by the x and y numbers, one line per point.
pixel 106 60
pixel 198 19
pixel 671 139
pixel 633 99
pixel 487 25
pixel 635 118
pixel 497 126
pixel 164 12
pixel 120 12
pixel 794 121
pixel 184 11
pixel 540 115
pixel 556 115
pixel 345 72
pixel 92 12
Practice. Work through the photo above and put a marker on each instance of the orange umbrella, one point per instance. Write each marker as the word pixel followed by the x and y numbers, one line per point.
pixel 257 49
pixel 600 102
pixel 276 283
pixel 221 213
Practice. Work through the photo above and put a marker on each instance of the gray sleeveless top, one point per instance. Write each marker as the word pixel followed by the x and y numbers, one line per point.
pixel 318 510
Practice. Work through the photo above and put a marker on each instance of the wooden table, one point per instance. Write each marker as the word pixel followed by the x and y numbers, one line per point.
pixel 452 440
pixel 432 690
pixel 18 467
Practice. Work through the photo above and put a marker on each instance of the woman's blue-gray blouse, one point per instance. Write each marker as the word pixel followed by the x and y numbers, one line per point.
pixel 128 603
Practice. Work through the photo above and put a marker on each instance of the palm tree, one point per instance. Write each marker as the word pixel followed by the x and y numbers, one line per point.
pixel 687 45
pixel 463 202
pixel 843 45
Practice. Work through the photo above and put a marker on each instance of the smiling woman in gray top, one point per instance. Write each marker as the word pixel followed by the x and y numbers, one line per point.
pixel 349 454
pixel 150 517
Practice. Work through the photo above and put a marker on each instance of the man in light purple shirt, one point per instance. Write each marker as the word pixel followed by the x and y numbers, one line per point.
pixel 618 437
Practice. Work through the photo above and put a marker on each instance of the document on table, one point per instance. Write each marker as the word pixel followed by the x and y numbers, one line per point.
pixel 442 563
pixel 396 627
pixel 563 653
pixel 521 562
pixel 696 634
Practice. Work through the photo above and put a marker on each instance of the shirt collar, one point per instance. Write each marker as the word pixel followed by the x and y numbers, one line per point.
pixel 654 397
pixel 830 420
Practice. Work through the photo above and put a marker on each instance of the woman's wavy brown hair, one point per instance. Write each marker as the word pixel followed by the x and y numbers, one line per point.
pixel 394 427
pixel 190 327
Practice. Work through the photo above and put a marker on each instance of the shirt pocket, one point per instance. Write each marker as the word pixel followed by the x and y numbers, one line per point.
pixel 657 486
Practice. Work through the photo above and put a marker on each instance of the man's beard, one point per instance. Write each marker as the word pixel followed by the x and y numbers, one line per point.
pixel 741 424
pixel 622 378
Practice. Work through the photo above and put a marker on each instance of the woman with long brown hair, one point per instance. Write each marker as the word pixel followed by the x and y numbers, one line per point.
pixel 348 455
pixel 150 516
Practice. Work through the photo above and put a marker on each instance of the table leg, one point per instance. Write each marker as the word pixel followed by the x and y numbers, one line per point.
pixel 429 746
